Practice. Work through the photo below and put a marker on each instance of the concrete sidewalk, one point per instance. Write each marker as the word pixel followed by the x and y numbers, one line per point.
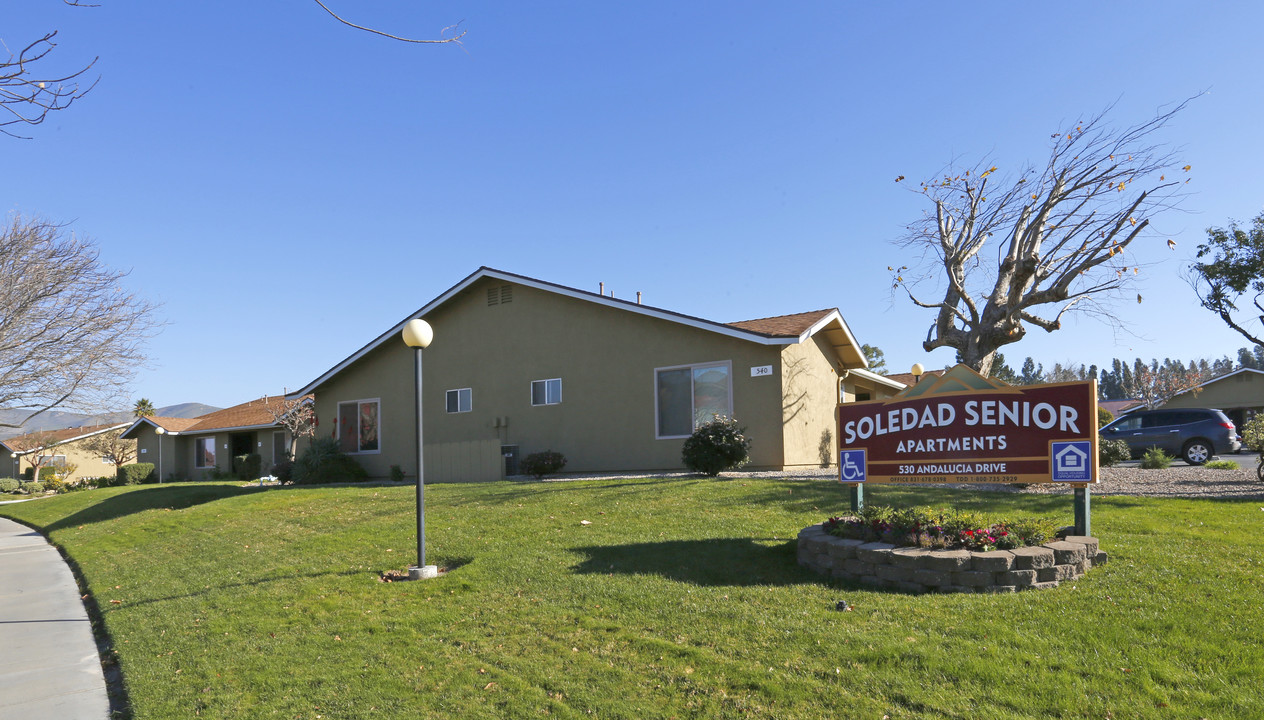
pixel 49 667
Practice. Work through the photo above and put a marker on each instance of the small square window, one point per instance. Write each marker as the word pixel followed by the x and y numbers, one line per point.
pixel 460 401
pixel 546 392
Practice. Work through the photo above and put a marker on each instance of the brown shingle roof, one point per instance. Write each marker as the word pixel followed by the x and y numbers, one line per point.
pixel 172 424
pixel 49 438
pixel 783 325
pixel 248 414
pixel 910 379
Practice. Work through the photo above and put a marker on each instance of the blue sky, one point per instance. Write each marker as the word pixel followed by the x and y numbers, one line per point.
pixel 288 188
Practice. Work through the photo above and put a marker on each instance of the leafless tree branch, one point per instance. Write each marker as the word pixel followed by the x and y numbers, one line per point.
pixel 454 39
pixel 70 335
pixel 27 95
pixel 1061 233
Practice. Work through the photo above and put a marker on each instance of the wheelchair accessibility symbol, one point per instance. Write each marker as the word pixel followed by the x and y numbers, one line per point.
pixel 851 466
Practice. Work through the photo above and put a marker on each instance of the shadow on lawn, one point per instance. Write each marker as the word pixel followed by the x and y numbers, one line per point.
pixel 518 490
pixel 722 561
pixel 151 498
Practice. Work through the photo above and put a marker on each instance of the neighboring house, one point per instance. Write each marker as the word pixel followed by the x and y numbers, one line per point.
pixel 520 365
pixel 60 448
pixel 1239 394
pixel 193 447
pixel 1120 407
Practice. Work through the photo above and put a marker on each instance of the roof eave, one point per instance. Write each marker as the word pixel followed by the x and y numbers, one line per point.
pixel 486 272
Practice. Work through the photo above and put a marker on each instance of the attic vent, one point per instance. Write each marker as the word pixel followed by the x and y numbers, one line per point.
pixel 499 295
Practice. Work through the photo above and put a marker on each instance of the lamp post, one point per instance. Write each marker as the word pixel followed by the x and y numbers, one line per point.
pixel 161 431
pixel 417 335
pixel 17 465
pixel 918 371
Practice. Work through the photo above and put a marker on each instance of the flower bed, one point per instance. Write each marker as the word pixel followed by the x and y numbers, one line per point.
pixel 920 570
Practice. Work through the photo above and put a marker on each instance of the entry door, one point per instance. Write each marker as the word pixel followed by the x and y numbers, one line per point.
pixel 279 447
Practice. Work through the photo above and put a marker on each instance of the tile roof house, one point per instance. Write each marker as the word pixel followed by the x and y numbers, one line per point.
pixel 182 448
pixel 60 447
pixel 520 365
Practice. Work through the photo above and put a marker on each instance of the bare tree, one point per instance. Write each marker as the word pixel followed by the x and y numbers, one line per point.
pixel 71 336
pixel 298 415
pixel 1156 383
pixel 1061 232
pixel 111 447
pixel 28 92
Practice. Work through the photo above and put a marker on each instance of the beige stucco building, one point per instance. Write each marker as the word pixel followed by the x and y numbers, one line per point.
pixel 1240 394
pixel 60 448
pixel 519 366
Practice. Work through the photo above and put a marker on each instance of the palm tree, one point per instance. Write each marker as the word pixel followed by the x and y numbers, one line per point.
pixel 143 408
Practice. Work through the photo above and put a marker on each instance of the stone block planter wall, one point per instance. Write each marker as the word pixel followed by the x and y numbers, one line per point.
pixel 920 570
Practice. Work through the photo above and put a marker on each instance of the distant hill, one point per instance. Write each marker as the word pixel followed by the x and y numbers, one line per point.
pixel 56 420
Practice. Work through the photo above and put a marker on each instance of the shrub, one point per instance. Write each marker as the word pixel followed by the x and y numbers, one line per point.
pixel 248 467
pixel 1104 417
pixel 9 485
pixel 945 528
pixel 397 474
pixel 1221 465
pixel 716 446
pixel 322 462
pixel 135 474
pixel 1155 459
pixel 28 475
pixel 55 484
pixel 33 488
pixel 283 471
pixel 46 473
pixel 1253 434
pixel 1112 452
pixel 542 463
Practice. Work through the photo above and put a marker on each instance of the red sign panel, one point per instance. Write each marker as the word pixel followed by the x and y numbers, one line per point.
pixel 963 428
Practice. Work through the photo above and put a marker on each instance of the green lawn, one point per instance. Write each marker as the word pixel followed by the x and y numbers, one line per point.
pixel 681 599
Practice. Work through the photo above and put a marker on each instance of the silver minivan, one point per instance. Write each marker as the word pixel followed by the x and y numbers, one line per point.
pixel 1193 434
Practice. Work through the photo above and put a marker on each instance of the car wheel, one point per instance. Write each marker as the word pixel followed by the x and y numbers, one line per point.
pixel 1196 452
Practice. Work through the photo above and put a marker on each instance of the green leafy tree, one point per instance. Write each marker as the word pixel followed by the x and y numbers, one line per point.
pixel 1032 373
pixel 1233 269
pixel 874 356
pixel 143 408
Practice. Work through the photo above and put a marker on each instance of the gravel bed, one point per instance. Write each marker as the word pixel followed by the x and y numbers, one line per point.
pixel 1178 481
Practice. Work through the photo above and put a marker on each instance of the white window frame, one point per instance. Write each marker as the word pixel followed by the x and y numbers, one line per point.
pixel 358 403
pixel 558 401
pixel 51 461
pixel 469 396
pixel 727 364
pixel 197 452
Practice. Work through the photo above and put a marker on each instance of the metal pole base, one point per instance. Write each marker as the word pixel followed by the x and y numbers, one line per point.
pixel 1083 511
pixel 857 492
pixel 423 573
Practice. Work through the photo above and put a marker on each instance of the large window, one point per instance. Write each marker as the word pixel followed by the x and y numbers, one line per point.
pixel 358 426
pixel 691 395
pixel 57 461
pixel 204 452
pixel 546 392
pixel 459 401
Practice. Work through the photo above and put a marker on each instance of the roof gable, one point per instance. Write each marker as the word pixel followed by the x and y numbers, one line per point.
pixel 248 415
pixel 766 331
pixel 30 442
